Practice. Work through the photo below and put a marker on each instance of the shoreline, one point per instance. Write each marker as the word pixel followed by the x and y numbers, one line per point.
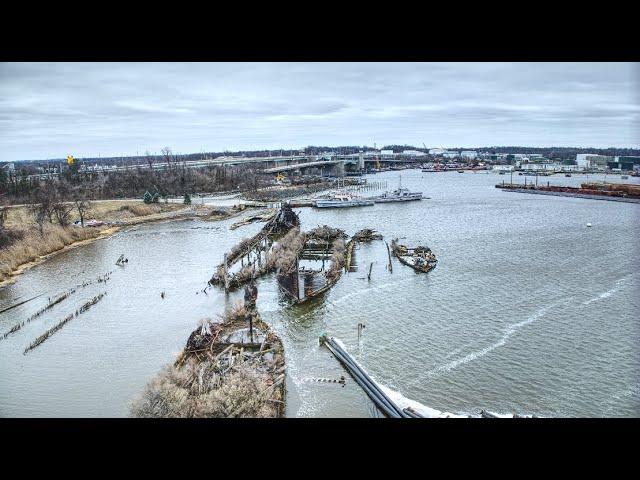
pixel 573 195
pixel 184 214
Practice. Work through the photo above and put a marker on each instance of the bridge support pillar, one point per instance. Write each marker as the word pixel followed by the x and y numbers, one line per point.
pixel 361 161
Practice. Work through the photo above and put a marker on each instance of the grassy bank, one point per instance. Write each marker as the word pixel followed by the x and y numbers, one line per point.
pixel 24 245
pixel 32 245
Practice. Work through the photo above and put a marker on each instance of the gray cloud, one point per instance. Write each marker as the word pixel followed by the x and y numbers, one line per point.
pixel 52 110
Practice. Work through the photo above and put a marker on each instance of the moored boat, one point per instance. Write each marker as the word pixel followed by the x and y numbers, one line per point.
pixel 398 195
pixel 342 200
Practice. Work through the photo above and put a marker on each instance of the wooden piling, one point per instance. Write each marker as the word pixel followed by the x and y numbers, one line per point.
pixel 226 278
pixel 370 267
pixel 389 253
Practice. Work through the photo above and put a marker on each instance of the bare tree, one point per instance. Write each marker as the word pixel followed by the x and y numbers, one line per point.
pixel 168 157
pixel 62 212
pixel 149 159
pixel 39 215
pixel 83 206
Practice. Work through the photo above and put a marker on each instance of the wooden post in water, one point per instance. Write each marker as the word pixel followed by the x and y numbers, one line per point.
pixel 226 280
pixel 370 267
pixel 389 253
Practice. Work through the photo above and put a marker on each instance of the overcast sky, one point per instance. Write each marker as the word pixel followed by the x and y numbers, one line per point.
pixel 52 110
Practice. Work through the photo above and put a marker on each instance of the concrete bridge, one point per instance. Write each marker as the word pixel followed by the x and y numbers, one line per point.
pixel 340 163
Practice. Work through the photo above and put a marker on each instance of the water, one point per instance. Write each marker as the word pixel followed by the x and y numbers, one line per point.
pixel 528 310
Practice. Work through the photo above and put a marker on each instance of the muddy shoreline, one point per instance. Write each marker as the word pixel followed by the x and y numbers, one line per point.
pixel 187 213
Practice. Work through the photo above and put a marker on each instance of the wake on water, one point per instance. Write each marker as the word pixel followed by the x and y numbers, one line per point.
pixel 507 333
pixel 619 284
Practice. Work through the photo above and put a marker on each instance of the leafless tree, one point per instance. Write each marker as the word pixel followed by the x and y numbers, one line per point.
pixel 168 157
pixel 62 212
pixel 42 206
pixel 149 158
pixel 39 215
pixel 83 206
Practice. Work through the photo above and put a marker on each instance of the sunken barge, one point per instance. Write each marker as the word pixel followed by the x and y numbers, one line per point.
pixel 420 258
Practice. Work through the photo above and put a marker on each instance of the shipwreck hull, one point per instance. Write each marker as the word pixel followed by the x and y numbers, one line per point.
pixel 402 253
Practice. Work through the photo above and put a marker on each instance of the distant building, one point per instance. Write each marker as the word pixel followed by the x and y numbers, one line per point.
pixel 450 154
pixel 415 153
pixel 588 161
pixel 503 168
pixel 547 167
pixel 436 151
pixel 472 154
pixel 625 163
pixel 386 153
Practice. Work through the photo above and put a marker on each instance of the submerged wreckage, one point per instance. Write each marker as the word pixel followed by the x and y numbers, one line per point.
pixel 258 251
pixel 421 259
pixel 301 283
pixel 226 370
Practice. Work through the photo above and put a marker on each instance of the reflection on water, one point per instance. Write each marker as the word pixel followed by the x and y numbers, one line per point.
pixel 528 310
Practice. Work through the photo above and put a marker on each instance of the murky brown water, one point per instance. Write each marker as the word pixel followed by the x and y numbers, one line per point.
pixel 528 310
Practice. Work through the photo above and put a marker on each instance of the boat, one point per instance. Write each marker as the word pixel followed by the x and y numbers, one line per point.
pixel 420 258
pixel 460 171
pixel 398 195
pixel 342 200
pixel 567 174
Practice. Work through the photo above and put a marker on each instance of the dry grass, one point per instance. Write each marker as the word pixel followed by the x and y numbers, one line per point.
pixel 208 387
pixel 105 210
pixel 286 252
pixel 33 245
pixel 337 260
pixel 196 391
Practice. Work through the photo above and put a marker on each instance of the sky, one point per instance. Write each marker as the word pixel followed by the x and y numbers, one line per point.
pixel 113 109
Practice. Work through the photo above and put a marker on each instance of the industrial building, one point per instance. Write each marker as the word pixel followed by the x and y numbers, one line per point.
pixel 590 161
pixel 414 153
pixel 624 163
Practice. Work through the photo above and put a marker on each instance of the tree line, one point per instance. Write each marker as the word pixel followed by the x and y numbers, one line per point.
pixel 175 180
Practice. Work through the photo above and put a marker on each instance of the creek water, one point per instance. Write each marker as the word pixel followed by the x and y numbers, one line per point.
pixel 528 310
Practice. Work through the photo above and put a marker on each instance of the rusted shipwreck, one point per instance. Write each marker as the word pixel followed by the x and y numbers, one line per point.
pixel 302 282
pixel 228 369
pixel 257 251
pixel 420 258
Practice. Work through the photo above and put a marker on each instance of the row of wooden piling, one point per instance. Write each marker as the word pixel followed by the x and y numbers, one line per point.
pixel 52 303
pixel 42 338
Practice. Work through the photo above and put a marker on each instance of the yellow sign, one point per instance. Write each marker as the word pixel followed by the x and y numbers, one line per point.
pixel 70 160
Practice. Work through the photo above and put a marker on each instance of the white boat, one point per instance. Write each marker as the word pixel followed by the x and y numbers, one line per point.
pixel 342 200
pixel 398 195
